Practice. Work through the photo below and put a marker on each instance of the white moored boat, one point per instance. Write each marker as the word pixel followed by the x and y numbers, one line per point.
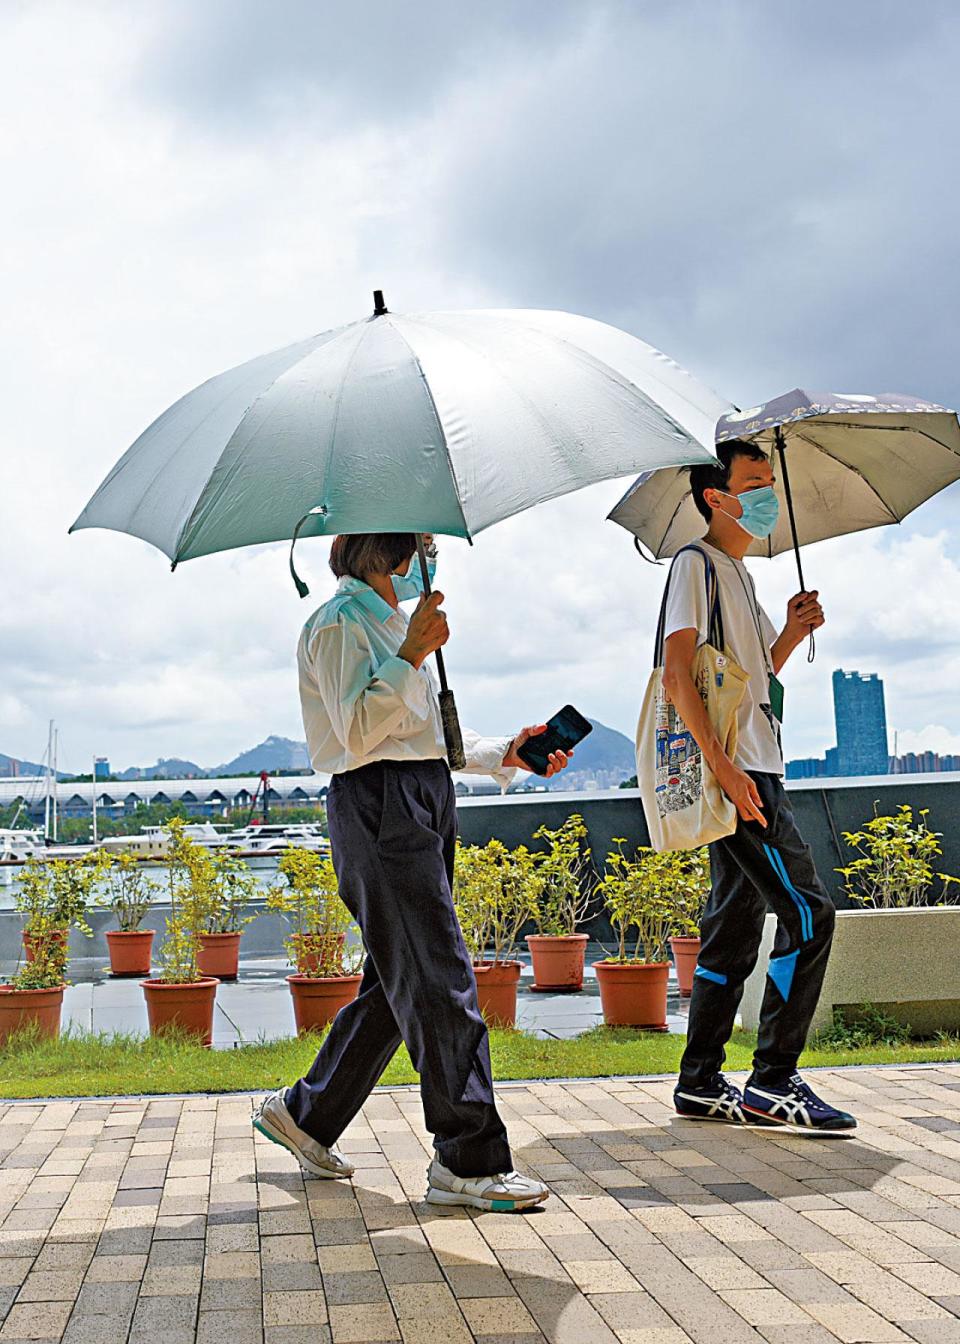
pixel 270 838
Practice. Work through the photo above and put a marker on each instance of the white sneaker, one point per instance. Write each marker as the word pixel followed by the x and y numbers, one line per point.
pixel 504 1193
pixel 276 1123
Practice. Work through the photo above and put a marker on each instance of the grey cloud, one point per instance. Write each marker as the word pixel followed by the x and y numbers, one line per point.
pixel 245 67
pixel 759 189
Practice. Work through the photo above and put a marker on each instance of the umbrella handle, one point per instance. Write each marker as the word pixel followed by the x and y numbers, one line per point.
pixel 452 736
pixel 780 442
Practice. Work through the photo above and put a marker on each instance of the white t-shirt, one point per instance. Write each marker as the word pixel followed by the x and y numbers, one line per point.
pixel 759 745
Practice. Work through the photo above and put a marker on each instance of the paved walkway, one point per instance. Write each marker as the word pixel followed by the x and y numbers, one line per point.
pixel 167 1220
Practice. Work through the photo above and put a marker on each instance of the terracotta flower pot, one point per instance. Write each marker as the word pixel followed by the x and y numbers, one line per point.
pixel 21 1007
pixel 58 937
pixel 188 1006
pixel 685 954
pixel 634 994
pixel 313 949
pixel 130 951
pixel 497 991
pixel 219 955
pixel 557 960
pixel 317 1000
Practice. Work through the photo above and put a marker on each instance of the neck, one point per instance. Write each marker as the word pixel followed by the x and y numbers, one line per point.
pixel 728 536
pixel 381 585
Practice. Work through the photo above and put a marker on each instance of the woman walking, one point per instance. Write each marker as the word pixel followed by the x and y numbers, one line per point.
pixel 372 720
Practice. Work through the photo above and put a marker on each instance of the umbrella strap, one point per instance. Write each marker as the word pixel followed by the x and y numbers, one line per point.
pixel 301 587
pixel 715 635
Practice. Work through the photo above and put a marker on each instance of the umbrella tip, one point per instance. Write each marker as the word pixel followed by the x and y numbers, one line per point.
pixel 379 307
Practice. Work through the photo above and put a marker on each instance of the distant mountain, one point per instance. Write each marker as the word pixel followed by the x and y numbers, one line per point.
pixel 275 753
pixel 12 765
pixel 605 758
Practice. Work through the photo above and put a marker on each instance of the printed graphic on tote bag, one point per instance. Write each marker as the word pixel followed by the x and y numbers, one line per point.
pixel 679 758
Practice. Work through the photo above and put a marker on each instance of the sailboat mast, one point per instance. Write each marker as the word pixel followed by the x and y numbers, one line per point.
pixel 56 740
pixel 47 794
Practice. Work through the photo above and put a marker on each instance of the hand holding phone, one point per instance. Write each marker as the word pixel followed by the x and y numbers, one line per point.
pixel 563 732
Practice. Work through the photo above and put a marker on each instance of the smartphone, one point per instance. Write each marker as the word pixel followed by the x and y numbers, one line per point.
pixel 564 731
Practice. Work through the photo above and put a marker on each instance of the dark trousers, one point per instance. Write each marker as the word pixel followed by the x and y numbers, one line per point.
pixel 393 830
pixel 754 871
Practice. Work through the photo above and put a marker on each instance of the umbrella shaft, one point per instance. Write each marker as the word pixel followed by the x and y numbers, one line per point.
pixel 781 445
pixel 425 575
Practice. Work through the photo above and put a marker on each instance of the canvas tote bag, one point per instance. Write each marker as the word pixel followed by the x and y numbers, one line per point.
pixel 682 801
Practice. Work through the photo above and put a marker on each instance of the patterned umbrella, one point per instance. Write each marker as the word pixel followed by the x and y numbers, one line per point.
pixel 855 462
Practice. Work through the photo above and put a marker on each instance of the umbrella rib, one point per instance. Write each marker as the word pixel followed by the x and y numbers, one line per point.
pixel 856 471
pixel 902 429
pixel 202 504
pixel 443 436
pixel 666 530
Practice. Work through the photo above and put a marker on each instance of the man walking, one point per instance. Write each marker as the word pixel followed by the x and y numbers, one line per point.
pixel 765 864
pixel 372 719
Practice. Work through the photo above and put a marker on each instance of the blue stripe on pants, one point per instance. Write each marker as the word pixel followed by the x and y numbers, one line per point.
pixel 806 914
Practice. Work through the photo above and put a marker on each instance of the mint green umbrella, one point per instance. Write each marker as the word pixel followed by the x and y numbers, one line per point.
pixel 442 422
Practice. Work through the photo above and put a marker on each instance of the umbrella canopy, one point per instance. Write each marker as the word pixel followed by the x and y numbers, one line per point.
pixel 435 422
pixel 850 462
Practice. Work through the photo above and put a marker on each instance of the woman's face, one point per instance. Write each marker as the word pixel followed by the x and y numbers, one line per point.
pixel 429 545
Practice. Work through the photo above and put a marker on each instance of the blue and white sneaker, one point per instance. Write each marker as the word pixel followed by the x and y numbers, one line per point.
pixel 796 1106
pixel 719 1100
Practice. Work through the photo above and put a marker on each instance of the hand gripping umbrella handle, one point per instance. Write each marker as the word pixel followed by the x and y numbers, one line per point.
pixel 452 736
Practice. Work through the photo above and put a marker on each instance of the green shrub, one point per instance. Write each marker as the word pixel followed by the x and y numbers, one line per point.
pixel 861 1027
pixel 308 897
pixel 564 900
pixel 640 896
pixel 895 868
pixel 496 890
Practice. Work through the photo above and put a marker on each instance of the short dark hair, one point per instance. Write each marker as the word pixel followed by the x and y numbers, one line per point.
pixel 370 553
pixel 718 477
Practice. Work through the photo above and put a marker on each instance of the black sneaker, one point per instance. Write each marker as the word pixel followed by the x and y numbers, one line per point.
pixel 719 1100
pixel 796 1106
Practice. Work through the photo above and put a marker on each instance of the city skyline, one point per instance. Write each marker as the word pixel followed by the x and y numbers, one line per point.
pixel 862 746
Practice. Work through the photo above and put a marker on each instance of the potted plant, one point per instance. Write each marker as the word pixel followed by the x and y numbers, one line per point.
pixel 638 894
pixel 128 892
pixel 557 949
pixel 223 887
pixel 181 996
pixel 53 895
pixel 326 978
pixel 34 996
pixel 691 890
pixel 495 892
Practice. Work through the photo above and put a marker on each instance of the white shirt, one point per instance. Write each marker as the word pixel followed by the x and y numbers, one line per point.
pixel 361 703
pixel 758 746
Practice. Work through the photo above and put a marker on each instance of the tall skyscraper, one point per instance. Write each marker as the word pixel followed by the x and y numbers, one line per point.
pixel 861 719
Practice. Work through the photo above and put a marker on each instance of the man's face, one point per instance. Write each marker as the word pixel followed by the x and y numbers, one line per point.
pixel 745 474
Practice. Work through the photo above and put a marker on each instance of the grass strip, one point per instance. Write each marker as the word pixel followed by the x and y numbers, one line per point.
pixel 115 1064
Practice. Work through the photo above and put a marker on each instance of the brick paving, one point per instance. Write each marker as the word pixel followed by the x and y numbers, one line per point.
pixel 168 1220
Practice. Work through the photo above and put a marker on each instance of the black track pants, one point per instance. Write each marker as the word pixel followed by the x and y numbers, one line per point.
pixel 754 871
pixel 393 829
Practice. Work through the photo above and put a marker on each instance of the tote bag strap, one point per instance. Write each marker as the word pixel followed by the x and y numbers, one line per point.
pixel 715 617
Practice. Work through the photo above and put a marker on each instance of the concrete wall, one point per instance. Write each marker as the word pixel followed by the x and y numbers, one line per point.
pixel 906 962
pixel 824 809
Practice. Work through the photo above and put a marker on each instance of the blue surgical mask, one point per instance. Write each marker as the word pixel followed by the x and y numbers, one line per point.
pixel 408 587
pixel 761 509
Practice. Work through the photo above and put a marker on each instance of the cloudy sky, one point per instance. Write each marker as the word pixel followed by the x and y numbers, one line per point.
pixel 766 192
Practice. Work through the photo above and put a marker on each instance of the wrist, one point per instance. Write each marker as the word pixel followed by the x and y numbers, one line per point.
pixel 410 656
